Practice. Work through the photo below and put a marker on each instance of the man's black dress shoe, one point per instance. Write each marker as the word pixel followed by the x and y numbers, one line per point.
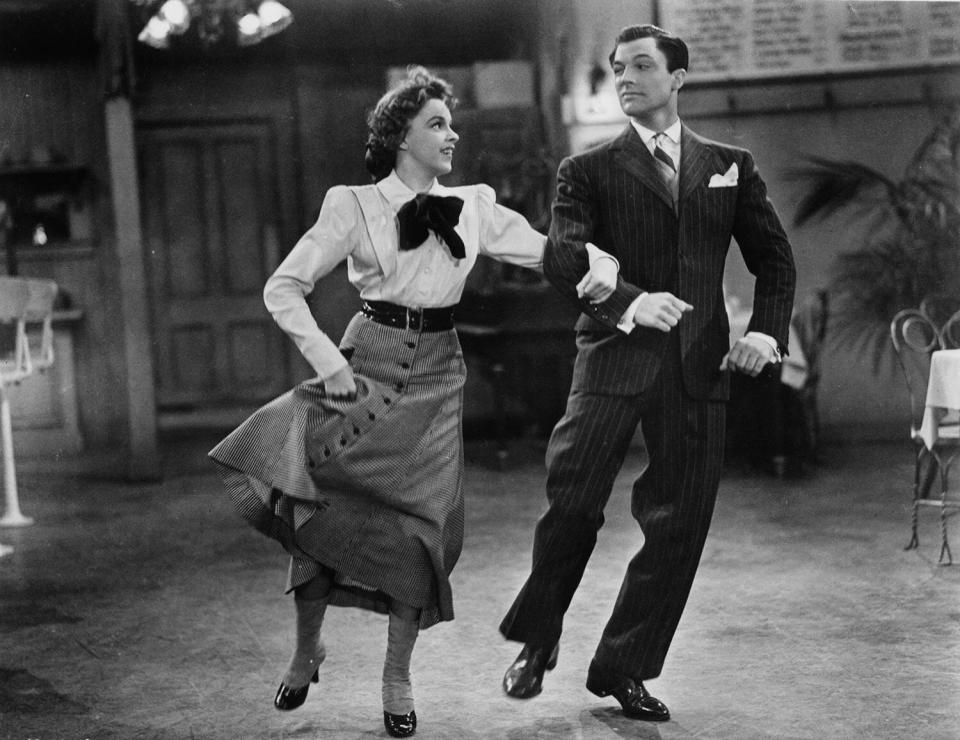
pixel 524 678
pixel 400 725
pixel 288 698
pixel 633 697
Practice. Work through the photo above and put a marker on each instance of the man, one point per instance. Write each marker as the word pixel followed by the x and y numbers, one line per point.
pixel 655 353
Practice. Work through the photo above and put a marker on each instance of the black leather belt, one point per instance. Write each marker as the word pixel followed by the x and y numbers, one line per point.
pixel 402 317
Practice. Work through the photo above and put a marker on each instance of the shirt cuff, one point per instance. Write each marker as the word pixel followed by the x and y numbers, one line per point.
pixel 594 253
pixel 323 356
pixel 626 322
pixel 769 340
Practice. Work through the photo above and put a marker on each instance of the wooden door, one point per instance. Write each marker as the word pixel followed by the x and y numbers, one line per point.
pixel 211 228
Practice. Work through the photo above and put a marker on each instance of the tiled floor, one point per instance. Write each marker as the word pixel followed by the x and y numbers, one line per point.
pixel 152 611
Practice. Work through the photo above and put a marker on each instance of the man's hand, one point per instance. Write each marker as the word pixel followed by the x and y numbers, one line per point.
pixel 600 282
pixel 749 355
pixel 660 311
pixel 341 384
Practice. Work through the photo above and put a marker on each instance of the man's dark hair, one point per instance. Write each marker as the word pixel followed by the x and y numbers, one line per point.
pixel 672 46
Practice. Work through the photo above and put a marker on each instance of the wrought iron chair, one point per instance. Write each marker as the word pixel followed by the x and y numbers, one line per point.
pixel 950 332
pixel 915 339
pixel 939 308
pixel 26 307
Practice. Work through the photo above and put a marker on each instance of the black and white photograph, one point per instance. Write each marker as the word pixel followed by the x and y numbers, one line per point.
pixel 480 369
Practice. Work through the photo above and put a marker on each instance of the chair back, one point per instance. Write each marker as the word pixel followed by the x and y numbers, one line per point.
pixel 25 303
pixel 915 338
pixel 940 308
pixel 14 350
pixel 950 332
pixel 810 324
pixel 39 312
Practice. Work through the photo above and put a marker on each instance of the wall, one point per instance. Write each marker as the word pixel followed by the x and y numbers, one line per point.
pixel 317 109
pixel 58 105
pixel 321 109
pixel 878 120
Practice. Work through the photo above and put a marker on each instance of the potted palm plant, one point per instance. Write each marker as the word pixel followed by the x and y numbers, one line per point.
pixel 911 249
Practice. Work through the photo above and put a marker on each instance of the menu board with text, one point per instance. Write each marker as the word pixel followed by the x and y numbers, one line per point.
pixel 763 38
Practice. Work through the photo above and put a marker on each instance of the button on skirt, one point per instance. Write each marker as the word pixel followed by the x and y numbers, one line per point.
pixel 371 488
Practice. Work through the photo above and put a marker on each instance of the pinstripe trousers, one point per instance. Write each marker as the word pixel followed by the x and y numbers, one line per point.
pixel 672 501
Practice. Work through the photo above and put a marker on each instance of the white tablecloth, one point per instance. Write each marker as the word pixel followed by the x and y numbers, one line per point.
pixel 943 393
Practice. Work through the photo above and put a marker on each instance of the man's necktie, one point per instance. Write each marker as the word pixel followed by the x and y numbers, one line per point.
pixel 667 167
pixel 662 157
pixel 435 213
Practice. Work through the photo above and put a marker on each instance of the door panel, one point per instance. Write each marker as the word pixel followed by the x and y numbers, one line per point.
pixel 209 200
pixel 179 198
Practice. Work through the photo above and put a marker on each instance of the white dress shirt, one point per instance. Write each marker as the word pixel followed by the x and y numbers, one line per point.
pixel 428 276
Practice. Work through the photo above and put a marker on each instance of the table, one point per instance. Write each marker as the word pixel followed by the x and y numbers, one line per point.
pixel 943 394
pixel 940 434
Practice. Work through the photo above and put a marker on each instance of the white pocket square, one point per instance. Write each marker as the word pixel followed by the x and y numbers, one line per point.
pixel 727 180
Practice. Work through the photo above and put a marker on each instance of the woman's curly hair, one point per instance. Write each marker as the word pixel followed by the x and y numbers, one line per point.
pixel 387 123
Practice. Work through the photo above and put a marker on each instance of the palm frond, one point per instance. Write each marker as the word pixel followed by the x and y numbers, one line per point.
pixel 930 190
pixel 883 277
pixel 938 157
pixel 834 185
pixel 862 337
pixel 911 246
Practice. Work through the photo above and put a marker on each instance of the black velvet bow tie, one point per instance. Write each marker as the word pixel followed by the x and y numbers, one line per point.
pixel 435 213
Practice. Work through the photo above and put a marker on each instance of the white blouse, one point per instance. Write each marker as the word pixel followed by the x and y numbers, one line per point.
pixel 428 276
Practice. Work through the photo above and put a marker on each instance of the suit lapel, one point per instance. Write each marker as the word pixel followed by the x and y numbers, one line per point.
pixel 696 162
pixel 630 153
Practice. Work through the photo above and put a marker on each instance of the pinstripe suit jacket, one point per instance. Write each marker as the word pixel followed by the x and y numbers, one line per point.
pixel 614 196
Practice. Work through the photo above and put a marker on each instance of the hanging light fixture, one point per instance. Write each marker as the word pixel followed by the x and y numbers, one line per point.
pixel 252 20
pixel 270 17
pixel 176 13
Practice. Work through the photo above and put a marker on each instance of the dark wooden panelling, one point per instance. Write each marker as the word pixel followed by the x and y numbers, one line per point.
pixel 190 362
pixel 184 213
pixel 242 215
pixel 208 196
pixel 253 348
pixel 50 105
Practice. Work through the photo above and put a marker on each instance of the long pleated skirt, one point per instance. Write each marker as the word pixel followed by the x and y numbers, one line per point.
pixel 370 489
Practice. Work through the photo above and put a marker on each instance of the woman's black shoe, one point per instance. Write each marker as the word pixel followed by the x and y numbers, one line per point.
pixel 400 725
pixel 288 698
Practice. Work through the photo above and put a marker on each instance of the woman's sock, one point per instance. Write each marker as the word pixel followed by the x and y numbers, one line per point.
pixel 309 651
pixel 397 691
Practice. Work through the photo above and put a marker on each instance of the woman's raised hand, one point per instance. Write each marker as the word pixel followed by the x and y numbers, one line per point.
pixel 600 282
pixel 341 384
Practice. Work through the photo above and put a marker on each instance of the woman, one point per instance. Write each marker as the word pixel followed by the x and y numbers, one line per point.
pixel 359 472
